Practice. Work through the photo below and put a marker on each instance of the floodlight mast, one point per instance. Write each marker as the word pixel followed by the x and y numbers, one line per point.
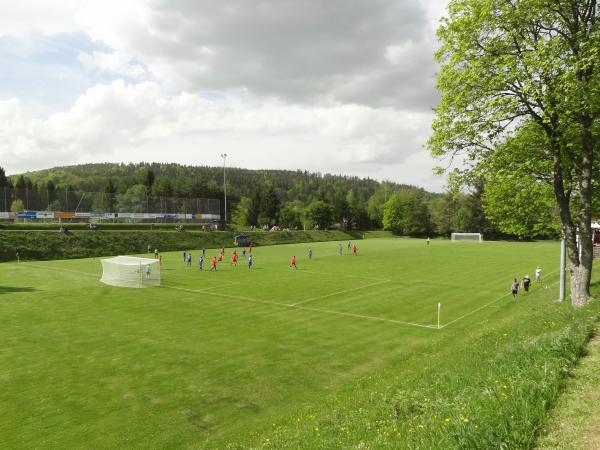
pixel 224 156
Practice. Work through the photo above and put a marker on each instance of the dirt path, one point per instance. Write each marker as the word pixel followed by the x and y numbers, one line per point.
pixel 574 423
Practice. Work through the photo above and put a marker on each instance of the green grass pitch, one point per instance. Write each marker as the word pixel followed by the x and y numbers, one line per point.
pixel 211 358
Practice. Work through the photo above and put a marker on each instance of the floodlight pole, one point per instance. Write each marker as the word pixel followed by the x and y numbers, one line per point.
pixel 224 156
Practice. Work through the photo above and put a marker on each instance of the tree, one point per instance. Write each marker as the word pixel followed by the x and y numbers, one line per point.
pixel 506 64
pixel 395 212
pixel 148 180
pixel 269 205
pixel 20 188
pixel 17 206
pixel 291 214
pixel 239 215
pixel 341 209
pixel 254 209
pixel 518 196
pixel 110 192
pixel 3 179
pixel 133 200
pixel 163 189
pixel 50 192
pixel 319 214
pixel 358 215
pixel 407 213
pixel 377 200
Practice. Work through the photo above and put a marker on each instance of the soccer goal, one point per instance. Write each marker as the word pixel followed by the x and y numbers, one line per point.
pixel 473 237
pixel 131 271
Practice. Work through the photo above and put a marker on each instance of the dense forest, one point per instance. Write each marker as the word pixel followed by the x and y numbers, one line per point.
pixel 293 199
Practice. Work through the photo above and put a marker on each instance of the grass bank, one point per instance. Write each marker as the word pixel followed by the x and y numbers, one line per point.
pixel 574 422
pixel 44 245
pixel 485 384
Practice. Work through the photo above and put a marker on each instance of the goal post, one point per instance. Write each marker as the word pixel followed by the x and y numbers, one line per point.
pixel 469 237
pixel 131 271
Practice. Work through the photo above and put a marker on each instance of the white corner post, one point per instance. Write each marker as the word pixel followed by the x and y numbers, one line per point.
pixel 224 156
pixel 563 258
pixel 439 312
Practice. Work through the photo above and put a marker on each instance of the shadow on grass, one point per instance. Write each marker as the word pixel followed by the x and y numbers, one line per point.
pixel 13 289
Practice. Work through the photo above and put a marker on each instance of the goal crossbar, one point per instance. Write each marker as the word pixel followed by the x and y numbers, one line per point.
pixel 131 271
pixel 472 237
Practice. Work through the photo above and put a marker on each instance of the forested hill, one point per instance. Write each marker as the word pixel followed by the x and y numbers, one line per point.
pixel 294 199
pixel 203 181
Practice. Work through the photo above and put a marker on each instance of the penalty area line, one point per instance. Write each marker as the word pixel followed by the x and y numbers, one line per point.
pixel 344 275
pixel 482 307
pixel 57 269
pixel 332 294
pixel 361 316
pixel 304 308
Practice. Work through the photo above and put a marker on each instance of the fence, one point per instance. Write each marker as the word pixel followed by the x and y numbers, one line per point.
pixel 99 202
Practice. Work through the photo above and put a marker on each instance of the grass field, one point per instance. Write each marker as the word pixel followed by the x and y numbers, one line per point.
pixel 275 357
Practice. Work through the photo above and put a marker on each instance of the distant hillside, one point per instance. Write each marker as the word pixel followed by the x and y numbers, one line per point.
pixel 203 181
pixel 293 199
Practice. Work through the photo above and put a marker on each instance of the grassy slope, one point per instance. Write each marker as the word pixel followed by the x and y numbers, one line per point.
pixel 37 244
pixel 574 422
pixel 217 358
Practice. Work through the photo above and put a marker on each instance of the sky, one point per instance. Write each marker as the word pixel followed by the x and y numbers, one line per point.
pixel 337 86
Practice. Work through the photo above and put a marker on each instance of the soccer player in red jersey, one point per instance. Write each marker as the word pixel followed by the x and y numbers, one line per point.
pixel 234 258
pixel 354 250
pixel 293 262
pixel 213 264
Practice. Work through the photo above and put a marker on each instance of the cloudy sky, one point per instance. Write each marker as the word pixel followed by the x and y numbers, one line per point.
pixel 339 86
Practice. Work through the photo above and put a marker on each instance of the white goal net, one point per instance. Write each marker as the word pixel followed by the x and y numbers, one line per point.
pixel 130 271
pixel 473 237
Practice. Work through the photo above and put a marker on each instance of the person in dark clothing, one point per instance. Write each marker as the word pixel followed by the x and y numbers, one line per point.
pixel 526 283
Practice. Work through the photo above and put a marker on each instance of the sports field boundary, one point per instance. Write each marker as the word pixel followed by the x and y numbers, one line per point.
pixel 489 304
pixel 298 305
pixel 340 292
pixel 302 308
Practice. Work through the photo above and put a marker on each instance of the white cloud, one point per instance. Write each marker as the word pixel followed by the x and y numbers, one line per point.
pixel 342 86
pixel 129 122
pixel 114 63
pixel 24 17
pixel 302 51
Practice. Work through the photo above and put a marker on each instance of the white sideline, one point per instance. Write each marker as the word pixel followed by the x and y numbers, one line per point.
pixel 332 294
pixel 297 305
pixel 381 319
pixel 304 308
pixel 484 306
pixel 312 272
pixel 62 269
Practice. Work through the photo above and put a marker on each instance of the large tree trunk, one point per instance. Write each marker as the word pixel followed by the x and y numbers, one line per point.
pixel 581 267
pixel 581 277
pixel 580 293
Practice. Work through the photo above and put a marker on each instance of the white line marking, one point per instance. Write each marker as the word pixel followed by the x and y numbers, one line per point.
pixel 482 307
pixel 332 294
pixel 62 269
pixel 312 272
pixel 304 308
pixel 200 290
pixel 381 319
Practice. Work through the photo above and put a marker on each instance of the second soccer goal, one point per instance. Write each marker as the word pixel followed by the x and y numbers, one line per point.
pixel 473 237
